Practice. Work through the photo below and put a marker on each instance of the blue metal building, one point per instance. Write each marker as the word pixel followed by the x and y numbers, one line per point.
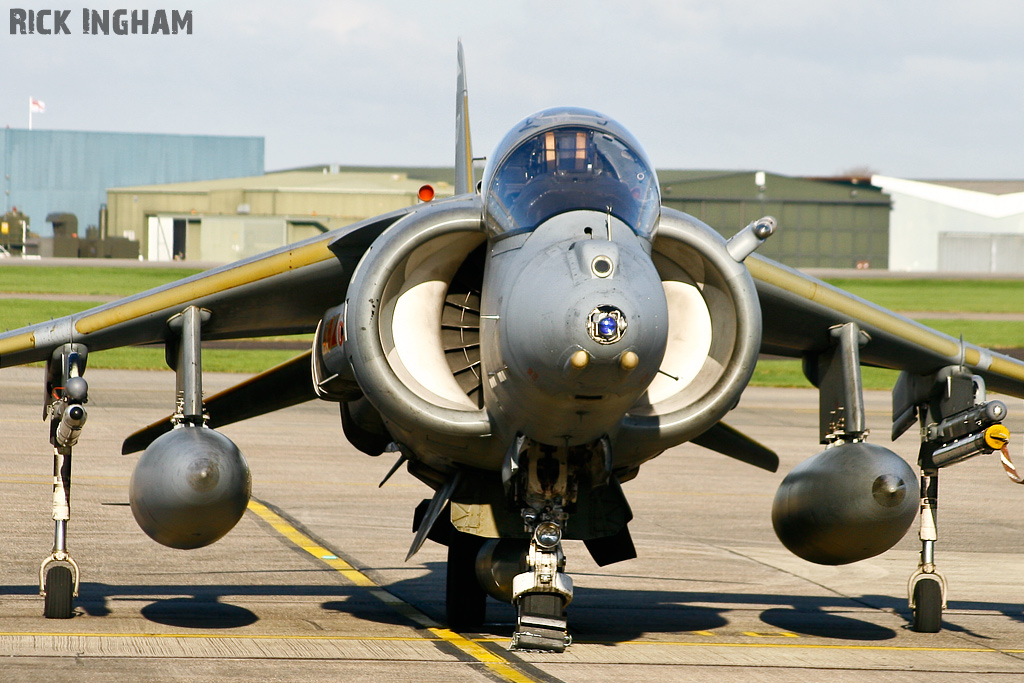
pixel 49 171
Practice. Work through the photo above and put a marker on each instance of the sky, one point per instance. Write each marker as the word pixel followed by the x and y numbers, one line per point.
pixel 799 87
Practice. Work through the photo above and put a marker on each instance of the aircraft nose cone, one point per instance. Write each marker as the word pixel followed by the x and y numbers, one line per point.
pixel 567 325
pixel 580 328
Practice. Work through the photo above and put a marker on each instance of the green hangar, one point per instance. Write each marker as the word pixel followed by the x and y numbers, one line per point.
pixel 823 222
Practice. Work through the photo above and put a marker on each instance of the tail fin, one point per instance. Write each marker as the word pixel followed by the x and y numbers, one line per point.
pixel 464 181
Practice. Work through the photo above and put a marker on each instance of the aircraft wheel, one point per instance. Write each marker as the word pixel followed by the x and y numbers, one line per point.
pixel 465 599
pixel 927 606
pixel 59 587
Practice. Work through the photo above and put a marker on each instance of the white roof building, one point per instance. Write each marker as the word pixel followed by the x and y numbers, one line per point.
pixel 955 226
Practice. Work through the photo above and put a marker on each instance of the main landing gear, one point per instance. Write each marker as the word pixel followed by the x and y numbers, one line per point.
pixel 66 392
pixel 531 577
pixel 526 571
pixel 465 598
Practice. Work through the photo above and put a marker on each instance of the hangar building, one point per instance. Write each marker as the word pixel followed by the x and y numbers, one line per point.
pixel 955 226
pixel 823 223
pixel 228 219
pixel 45 172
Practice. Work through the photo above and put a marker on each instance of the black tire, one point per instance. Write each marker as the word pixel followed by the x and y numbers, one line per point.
pixel 465 599
pixel 927 606
pixel 59 587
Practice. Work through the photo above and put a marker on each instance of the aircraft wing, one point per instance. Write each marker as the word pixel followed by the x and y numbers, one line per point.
pixel 798 310
pixel 284 291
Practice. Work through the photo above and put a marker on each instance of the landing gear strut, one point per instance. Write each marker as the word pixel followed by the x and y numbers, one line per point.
pixel 927 588
pixel 67 392
pixel 465 599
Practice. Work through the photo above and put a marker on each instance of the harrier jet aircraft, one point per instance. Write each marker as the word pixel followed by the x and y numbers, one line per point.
pixel 524 347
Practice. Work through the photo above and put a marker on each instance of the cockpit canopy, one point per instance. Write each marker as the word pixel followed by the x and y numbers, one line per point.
pixel 562 160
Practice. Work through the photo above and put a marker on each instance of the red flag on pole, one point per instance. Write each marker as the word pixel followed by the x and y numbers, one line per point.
pixel 34 107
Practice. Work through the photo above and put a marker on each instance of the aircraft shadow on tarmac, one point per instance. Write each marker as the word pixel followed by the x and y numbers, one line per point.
pixel 619 615
pixel 210 606
pixel 599 614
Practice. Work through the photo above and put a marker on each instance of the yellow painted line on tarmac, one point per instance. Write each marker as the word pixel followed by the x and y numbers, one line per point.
pixel 319 552
pixel 215 636
pixel 787 645
pixel 496 663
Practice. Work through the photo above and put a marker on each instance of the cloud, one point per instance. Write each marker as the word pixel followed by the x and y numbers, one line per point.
pixel 792 86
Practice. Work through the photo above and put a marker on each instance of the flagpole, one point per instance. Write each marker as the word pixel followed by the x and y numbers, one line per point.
pixel 30 112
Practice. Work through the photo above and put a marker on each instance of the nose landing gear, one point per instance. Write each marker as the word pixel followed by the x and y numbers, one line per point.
pixel 542 593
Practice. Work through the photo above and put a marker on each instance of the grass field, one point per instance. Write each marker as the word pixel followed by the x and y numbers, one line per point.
pixel 87 280
pixel 947 296
pixel 214 360
pixel 976 296
pixel 115 282
pixel 788 373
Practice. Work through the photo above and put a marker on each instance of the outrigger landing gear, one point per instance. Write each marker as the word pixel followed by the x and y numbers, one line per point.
pixel 957 423
pixel 66 394
pixel 927 588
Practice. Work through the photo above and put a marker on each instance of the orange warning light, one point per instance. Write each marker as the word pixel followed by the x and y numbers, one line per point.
pixel 426 193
